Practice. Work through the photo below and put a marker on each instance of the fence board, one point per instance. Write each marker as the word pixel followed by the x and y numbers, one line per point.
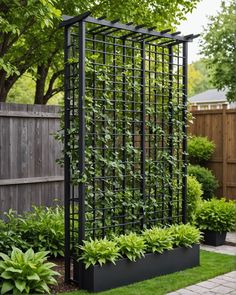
pixel 220 126
pixel 29 173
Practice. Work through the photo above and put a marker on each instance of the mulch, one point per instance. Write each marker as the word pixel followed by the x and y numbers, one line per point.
pixel 61 287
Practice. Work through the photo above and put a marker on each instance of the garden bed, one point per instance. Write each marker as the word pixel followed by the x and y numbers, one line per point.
pixel 100 278
pixel 61 285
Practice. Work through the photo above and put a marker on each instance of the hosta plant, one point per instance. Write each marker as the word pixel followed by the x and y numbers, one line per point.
pixel 184 235
pixel 216 215
pixel 26 273
pixel 157 240
pixel 99 252
pixel 131 245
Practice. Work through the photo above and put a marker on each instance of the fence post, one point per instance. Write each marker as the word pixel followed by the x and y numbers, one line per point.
pixel 224 149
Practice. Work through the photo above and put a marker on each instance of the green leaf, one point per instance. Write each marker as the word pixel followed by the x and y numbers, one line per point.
pixel 33 277
pixel 7 275
pixel 4 256
pixel 20 285
pixel 6 287
pixel 14 270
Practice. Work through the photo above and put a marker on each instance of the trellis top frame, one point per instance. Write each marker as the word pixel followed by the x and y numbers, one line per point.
pixel 137 33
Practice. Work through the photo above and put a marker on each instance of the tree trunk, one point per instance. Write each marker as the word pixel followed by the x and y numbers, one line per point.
pixel 6 85
pixel 3 95
pixel 42 72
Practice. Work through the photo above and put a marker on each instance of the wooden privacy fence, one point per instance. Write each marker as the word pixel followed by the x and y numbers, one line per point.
pixel 219 125
pixel 29 173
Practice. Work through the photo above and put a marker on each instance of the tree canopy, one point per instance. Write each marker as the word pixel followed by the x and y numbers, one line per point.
pixel 30 41
pixel 198 78
pixel 219 49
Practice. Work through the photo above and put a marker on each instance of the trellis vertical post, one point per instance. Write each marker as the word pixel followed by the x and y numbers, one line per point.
pixel 81 143
pixel 143 137
pixel 66 156
pixel 184 130
pixel 170 137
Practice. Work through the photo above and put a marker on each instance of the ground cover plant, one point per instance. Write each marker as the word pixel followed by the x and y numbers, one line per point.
pixel 26 273
pixel 169 283
pixel 216 215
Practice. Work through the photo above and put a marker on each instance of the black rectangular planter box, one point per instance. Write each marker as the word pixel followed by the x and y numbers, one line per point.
pixel 214 238
pixel 99 278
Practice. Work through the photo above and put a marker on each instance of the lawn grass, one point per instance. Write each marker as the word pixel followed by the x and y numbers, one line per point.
pixel 212 264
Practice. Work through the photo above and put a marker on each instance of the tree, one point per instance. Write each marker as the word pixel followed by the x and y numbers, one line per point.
pixel 219 49
pixel 21 25
pixel 35 44
pixel 199 79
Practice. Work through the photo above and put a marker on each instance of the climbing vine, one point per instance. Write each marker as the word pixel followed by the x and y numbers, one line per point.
pixel 133 135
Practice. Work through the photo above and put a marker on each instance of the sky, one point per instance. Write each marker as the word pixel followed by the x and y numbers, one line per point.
pixel 195 23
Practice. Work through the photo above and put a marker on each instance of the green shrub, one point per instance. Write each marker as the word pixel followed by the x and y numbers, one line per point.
pixel 194 193
pixel 184 235
pixel 99 251
pixel 132 246
pixel 206 178
pixel 200 149
pixel 43 229
pixel 25 273
pixel 10 235
pixel 216 215
pixel 157 240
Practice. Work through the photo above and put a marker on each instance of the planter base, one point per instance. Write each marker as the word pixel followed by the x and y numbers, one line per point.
pixel 97 278
pixel 214 238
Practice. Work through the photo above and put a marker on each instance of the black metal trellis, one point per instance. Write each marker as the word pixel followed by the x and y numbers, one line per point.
pixel 125 130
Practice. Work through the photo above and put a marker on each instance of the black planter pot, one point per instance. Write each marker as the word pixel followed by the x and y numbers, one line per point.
pixel 214 238
pixel 99 278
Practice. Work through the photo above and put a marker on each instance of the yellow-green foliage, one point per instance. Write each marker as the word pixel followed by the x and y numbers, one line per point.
pixel 200 149
pixel 194 193
pixel 216 215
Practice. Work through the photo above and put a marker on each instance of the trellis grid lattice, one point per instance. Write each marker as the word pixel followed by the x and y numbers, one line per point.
pixel 125 130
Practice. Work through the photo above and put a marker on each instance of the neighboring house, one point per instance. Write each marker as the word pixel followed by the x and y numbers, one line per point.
pixel 210 99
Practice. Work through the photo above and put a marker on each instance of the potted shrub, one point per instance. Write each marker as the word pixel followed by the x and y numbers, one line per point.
pixel 135 257
pixel 215 218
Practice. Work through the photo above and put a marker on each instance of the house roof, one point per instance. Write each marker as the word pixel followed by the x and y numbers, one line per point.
pixel 209 96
